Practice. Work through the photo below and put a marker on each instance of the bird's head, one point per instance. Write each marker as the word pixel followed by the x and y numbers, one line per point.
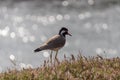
pixel 64 31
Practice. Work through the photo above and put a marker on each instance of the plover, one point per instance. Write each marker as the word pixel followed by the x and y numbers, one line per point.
pixel 56 42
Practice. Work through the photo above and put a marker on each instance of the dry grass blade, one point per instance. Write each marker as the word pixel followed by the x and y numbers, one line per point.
pixel 82 68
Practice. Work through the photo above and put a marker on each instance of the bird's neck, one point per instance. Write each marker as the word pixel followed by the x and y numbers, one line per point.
pixel 63 35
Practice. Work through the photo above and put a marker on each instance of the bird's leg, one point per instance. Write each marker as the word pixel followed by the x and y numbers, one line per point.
pixel 56 56
pixel 51 56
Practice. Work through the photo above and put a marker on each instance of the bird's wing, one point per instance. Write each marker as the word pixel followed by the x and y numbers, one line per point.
pixel 55 42
pixel 52 39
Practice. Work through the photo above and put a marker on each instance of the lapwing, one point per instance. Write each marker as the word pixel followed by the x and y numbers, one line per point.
pixel 56 42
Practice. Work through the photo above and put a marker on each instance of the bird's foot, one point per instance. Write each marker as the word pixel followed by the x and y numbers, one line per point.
pixel 57 60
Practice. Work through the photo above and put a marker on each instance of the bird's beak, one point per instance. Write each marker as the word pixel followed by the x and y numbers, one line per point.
pixel 69 34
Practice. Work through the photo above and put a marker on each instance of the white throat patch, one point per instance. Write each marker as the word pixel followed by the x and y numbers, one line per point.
pixel 62 32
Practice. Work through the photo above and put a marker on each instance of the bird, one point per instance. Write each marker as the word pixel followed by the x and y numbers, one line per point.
pixel 56 42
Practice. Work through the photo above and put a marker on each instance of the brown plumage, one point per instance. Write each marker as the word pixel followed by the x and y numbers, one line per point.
pixel 56 42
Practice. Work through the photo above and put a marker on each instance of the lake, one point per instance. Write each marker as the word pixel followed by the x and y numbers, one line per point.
pixel 25 25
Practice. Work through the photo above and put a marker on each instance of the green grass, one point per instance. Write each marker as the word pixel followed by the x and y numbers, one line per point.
pixel 80 68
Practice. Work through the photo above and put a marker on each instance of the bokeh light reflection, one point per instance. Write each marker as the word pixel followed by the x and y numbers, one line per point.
pixel 65 3
pixel 4 32
pixel 59 17
pixel 46 54
pixel 25 39
pixel 12 34
pixel 43 38
pixel 67 17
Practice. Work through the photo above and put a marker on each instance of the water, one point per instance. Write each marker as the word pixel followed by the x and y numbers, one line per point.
pixel 24 25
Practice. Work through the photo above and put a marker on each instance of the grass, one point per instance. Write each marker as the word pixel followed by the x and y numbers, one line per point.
pixel 80 68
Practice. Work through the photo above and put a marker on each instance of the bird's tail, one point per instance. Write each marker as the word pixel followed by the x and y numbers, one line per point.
pixel 37 50
pixel 43 47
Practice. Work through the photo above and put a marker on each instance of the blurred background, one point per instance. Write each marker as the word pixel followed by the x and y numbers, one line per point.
pixel 26 24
